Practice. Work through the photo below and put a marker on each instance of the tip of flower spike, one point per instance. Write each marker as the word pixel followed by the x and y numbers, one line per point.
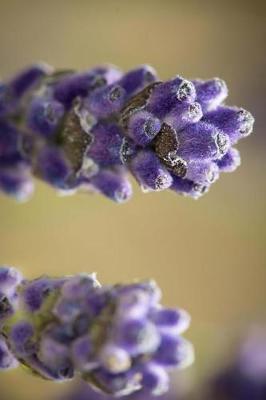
pixel 75 126
pixel 119 338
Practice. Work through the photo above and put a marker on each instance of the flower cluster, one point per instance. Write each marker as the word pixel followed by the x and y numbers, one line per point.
pixel 118 338
pixel 87 130
pixel 245 377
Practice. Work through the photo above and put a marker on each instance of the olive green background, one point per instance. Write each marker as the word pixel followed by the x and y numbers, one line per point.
pixel 208 255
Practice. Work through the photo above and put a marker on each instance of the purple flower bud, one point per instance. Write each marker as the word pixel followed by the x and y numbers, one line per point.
pixel 143 127
pixel 211 93
pixel 16 182
pixel 56 354
pixel 137 337
pixel 115 359
pixel 235 122
pixel 44 116
pixel 36 292
pixel 83 83
pixel 113 185
pixel 83 354
pixel 53 167
pixel 150 294
pixel 134 302
pixel 155 380
pixel 136 79
pixel 66 310
pixel 183 114
pixel 166 95
pixel 27 78
pixel 202 172
pixel 9 140
pixel 171 321
pixel 174 352
pixel 21 336
pixel 230 161
pixel 79 286
pixel 106 143
pixel 202 141
pixel 149 172
pixel 187 187
pixel 118 385
pixel 106 100
pixel 111 73
pixel 10 278
pixel 7 360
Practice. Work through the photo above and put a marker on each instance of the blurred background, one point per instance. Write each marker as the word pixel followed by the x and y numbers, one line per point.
pixel 209 255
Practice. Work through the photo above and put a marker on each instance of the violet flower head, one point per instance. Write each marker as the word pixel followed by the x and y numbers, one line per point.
pixel 117 338
pixel 89 130
pixel 245 377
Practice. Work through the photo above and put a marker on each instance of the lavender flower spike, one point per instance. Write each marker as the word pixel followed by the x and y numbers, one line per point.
pixel 88 130
pixel 118 338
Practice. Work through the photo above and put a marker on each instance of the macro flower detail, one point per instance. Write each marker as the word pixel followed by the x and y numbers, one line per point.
pixel 89 130
pixel 118 338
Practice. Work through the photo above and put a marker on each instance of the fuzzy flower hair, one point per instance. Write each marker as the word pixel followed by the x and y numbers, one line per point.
pixel 88 130
pixel 118 338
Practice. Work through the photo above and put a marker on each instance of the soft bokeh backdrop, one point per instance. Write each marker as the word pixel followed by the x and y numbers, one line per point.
pixel 207 255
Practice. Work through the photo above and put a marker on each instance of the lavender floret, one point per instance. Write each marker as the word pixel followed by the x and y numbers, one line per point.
pixel 72 129
pixel 150 172
pixel 118 338
pixel 113 185
pixel 230 161
pixel 44 116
